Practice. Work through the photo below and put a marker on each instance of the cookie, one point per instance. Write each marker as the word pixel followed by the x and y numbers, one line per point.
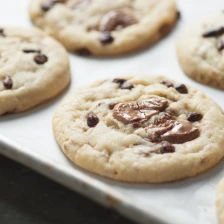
pixel 33 68
pixel 200 51
pixel 220 201
pixel 140 129
pixel 102 27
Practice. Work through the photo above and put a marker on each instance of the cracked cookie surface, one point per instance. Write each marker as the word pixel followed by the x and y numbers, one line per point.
pixel 33 68
pixel 200 50
pixel 154 131
pixel 102 27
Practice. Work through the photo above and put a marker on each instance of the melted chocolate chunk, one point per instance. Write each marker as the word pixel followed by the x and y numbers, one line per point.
pixel 167 148
pixel 180 133
pixel 40 59
pixel 2 32
pixel 92 120
pixel 181 88
pixel 193 116
pixel 7 82
pixel 167 83
pixel 31 51
pixel 214 32
pixel 83 52
pixel 139 111
pixel 160 129
pixel 106 38
pixel 220 45
pixel 116 20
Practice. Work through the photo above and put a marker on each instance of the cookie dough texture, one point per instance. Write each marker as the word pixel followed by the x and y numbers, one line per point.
pixel 78 24
pixel 199 56
pixel 124 152
pixel 220 201
pixel 33 68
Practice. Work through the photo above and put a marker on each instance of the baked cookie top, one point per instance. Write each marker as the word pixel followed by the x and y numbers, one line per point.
pixel 220 201
pixel 102 27
pixel 200 50
pixel 140 129
pixel 33 68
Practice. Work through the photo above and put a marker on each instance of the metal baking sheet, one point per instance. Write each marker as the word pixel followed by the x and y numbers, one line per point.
pixel 27 137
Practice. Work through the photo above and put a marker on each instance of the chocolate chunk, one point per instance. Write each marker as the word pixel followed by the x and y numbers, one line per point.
pixel 193 116
pixel 139 111
pixel 83 52
pixel 106 38
pixel 81 4
pixel 92 120
pixel 167 83
pixel 117 18
pixel 220 45
pixel 31 51
pixel 2 32
pixel 126 85
pixel 112 105
pixel 7 82
pixel 120 81
pixel 47 5
pixel 180 133
pixel 167 148
pixel 181 88
pixel 160 129
pixel 214 32
pixel 40 59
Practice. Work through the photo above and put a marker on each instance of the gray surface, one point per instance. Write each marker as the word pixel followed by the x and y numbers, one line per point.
pixel 29 198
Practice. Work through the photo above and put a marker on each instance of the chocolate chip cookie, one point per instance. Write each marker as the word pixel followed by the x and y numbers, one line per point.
pixel 200 50
pixel 140 129
pixel 102 27
pixel 33 68
pixel 220 201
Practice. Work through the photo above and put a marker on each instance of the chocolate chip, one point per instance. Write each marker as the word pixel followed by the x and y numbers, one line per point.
pixel 92 120
pixel 214 32
pixel 106 38
pixel 123 83
pixel 112 105
pixel 83 52
pixel 31 51
pixel 181 88
pixel 193 116
pixel 7 82
pixel 46 6
pixel 40 59
pixel 167 83
pixel 126 85
pixel 178 15
pixel 167 148
pixel 220 45
pixel 120 81
pixel 2 32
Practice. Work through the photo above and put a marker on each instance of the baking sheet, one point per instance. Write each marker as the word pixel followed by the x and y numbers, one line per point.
pixel 28 138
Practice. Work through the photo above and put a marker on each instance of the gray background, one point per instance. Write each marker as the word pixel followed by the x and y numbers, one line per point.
pixel 26 197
